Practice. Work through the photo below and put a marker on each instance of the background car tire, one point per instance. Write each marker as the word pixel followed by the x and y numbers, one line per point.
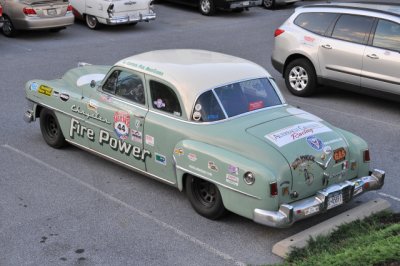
pixel 268 4
pixel 205 198
pixel 300 77
pixel 8 27
pixel 207 7
pixel 51 130
pixel 92 22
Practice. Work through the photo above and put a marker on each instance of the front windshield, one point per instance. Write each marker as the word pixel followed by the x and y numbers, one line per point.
pixel 235 99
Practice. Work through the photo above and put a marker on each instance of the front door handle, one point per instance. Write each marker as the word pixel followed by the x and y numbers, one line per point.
pixel 327 46
pixel 139 116
pixel 373 56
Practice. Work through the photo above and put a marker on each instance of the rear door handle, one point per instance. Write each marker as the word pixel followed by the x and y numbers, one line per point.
pixel 327 46
pixel 373 56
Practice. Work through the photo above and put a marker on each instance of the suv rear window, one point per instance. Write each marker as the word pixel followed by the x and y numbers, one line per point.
pixel 352 28
pixel 317 22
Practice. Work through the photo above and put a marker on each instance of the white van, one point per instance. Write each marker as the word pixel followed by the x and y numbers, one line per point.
pixel 113 12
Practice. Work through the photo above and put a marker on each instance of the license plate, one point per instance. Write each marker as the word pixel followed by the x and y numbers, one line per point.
pixel 246 3
pixel 339 155
pixel 51 12
pixel 335 200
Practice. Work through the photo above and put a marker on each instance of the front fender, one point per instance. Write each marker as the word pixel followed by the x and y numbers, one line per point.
pixel 225 169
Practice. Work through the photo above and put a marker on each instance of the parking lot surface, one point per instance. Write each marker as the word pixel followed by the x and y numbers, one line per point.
pixel 68 207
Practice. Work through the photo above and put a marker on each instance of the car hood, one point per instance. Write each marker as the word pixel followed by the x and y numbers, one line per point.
pixel 308 144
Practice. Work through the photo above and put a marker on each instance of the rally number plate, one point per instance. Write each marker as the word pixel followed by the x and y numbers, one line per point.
pixel 335 200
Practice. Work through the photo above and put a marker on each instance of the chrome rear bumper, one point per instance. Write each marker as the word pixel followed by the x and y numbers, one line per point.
pixel 321 202
pixel 127 19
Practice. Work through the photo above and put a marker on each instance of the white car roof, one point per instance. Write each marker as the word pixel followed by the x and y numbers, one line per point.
pixel 193 72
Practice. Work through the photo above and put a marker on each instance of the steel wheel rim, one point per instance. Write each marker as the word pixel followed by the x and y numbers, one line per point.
pixel 51 127
pixel 205 6
pixel 91 21
pixel 205 192
pixel 7 28
pixel 298 78
pixel 268 3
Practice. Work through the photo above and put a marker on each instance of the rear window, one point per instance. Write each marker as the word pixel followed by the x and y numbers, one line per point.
pixel 235 99
pixel 317 22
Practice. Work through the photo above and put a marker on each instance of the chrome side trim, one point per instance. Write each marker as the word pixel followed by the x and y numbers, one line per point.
pixel 120 162
pixel 215 182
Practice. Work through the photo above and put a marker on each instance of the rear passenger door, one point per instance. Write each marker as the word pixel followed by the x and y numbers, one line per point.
pixel 381 61
pixel 340 55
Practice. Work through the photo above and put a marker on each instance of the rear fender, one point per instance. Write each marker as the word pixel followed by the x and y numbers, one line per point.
pixel 226 169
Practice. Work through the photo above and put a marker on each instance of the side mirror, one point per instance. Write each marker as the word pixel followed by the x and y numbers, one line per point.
pixel 93 84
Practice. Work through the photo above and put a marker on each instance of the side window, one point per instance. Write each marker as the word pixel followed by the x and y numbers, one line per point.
pixel 352 28
pixel 317 22
pixel 126 85
pixel 207 108
pixel 387 35
pixel 164 98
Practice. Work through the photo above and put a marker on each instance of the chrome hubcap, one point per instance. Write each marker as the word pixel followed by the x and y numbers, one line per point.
pixel 205 6
pixel 91 21
pixel 298 78
pixel 268 3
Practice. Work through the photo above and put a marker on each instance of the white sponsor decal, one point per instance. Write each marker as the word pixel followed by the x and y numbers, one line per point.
pixel 149 140
pixel 333 141
pixel 231 179
pixel 290 134
pixel 86 79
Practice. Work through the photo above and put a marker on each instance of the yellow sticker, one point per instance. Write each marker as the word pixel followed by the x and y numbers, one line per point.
pixel 45 90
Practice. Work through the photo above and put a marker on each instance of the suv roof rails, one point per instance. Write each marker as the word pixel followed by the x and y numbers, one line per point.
pixel 363 8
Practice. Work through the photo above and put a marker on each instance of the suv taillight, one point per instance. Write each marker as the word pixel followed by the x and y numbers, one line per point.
pixel 29 11
pixel 278 32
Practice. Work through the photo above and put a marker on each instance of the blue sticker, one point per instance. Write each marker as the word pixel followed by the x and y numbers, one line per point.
pixel 161 159
pixel 315 143
pixel 213 117
pixel 34 86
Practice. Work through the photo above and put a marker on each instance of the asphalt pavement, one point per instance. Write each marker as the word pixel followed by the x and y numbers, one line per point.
pixel 68 207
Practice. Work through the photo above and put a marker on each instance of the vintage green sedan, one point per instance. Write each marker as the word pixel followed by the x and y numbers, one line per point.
pixel 210 124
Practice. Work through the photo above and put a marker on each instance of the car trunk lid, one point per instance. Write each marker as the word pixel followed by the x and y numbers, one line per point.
pixel 46 8
pixel 126 7
pixel 314 151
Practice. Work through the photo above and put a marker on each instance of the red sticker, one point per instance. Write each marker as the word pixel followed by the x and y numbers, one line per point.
pixel 256 105
pixel 309 39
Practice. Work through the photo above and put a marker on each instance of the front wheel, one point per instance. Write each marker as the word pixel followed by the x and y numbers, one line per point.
pixel 300 77
pixel 51 130
pixel 268 4
pixel 205 198
pixel 207 7
pixel 92 22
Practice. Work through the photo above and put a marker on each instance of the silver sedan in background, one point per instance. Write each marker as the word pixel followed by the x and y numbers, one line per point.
pixel 35 15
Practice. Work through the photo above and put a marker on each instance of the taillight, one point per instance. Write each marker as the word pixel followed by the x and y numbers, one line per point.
pixel 366 156
pixel 273 188
pixel 29 11
pixel 1 11
pixel 69 8
pixel 278 32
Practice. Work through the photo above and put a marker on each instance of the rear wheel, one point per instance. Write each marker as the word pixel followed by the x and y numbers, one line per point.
pixel 8 27
pixel 51 130
pixel 207 7
pixel 92 22
pixel 300 77
pixel 269 4
pixel 205 198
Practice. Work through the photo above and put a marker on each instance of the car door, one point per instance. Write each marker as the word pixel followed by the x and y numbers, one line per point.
pixel 340 55
pixel 381 61
pixel 164 128
pixel 121 103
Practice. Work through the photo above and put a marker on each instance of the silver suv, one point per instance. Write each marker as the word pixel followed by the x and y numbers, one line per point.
pixel 349 45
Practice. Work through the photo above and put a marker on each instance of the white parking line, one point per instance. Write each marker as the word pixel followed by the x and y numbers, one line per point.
pixel 347 114
pixel 137 211
pixel 389 196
